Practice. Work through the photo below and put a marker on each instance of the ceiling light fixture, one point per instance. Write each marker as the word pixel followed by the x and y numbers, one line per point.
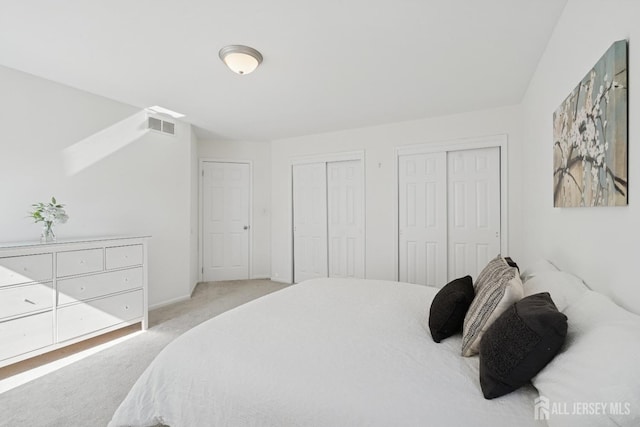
pixel 240 59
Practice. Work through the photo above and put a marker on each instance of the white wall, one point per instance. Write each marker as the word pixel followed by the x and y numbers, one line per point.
pixel 379 144
pixel 259 154
pixel 142 188
pixel 601 245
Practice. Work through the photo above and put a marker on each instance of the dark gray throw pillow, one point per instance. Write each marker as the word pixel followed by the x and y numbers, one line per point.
pixel 519 344
pixel 512 263
pixel 449 307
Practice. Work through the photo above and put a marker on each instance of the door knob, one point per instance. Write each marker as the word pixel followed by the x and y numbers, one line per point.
pixel 246 227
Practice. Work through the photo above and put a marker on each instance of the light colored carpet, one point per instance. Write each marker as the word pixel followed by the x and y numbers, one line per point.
pixel 87 393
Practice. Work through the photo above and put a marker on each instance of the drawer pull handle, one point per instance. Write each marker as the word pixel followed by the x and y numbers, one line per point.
pixel 81 261
pixel 29 301
pixel 126 307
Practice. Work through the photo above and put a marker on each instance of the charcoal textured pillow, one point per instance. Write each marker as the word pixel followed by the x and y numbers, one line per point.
pixel 519 344
pixel 512 263
pixel 497 288
pixel 449 307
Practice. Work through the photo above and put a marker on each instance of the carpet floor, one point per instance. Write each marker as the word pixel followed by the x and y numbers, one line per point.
pixel 87 392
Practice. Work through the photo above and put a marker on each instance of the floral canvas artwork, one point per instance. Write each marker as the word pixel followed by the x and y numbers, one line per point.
pixel 590 137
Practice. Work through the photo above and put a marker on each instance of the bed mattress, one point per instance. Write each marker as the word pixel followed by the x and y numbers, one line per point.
pixel 326 352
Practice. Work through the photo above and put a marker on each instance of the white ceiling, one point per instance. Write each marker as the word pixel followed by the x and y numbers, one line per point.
pixel 328 65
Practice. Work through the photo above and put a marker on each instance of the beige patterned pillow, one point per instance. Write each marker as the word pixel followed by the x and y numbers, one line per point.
pixel 497 288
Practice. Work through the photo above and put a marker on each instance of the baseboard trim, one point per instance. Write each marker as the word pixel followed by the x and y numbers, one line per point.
pixel 193 288
pixel 259 276
pixel 169 302
pixel 279 280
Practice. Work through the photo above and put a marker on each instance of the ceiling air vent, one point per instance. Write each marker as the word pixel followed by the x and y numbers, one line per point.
pixel 159 125
pixel 155 124
pixel 168 127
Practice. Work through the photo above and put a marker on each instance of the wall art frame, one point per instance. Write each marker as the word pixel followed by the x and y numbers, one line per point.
pixel 590 131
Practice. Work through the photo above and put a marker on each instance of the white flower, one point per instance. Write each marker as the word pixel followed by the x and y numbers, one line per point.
pixel 49 213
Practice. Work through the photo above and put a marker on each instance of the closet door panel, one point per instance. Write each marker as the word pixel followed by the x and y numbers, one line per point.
pixel 423 219
pixel 474 209
pixel 346 219
pixel 309 221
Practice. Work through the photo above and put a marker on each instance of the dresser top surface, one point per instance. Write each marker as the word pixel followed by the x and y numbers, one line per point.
pixel 38 244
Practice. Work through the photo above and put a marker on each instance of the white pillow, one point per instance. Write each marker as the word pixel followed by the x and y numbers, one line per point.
pixel 597 371
pixel 564 288
pixel 540 266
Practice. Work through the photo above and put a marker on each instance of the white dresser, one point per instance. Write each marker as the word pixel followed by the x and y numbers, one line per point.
pixel 56 294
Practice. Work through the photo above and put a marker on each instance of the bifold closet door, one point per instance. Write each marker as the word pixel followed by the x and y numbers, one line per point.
pixel 309 221
pixel 474 209
pixel 422 219
pixel 345 210
pixel 225 213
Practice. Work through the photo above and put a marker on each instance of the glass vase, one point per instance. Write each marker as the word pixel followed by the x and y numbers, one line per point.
pixel 47 233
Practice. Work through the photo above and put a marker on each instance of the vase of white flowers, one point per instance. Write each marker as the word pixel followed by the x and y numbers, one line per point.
pixel 48 214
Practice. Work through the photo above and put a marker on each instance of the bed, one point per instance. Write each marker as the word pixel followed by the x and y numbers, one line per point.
pixel 326 352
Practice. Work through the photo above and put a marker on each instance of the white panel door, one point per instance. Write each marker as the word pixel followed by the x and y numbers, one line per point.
pixel 225 221
pixel 474 209
pixel 346 222
pixel 309 221
pixel 422 218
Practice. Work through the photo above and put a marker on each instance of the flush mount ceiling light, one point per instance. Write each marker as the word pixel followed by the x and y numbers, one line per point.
pixel 240 59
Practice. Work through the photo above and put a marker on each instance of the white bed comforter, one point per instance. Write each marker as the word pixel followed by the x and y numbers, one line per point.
pixel 327 352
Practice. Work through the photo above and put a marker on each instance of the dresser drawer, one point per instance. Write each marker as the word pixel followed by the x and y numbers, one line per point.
pixel 85 287
pixel 25 299
pixel 80 319
pixel 79 262
pixel 123 256
pixel 24 269
pixel 22 335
